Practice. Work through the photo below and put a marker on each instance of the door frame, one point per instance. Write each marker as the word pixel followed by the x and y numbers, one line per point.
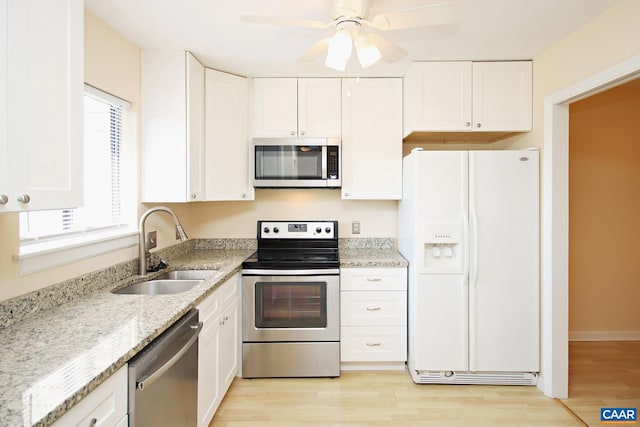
pixel 555 221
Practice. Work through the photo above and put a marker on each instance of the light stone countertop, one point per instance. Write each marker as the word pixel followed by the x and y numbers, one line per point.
pixel 50 361
pixel 371 258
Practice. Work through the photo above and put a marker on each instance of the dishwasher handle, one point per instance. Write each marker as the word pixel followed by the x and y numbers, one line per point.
pixel 149 379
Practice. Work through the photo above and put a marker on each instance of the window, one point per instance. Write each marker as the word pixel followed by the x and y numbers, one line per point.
pixel 109 204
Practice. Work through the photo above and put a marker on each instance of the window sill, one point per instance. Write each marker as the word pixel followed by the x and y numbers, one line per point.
pixel 41 256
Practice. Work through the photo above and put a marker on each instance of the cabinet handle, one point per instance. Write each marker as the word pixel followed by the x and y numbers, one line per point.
pixel 478 125
pixel 346 194
pixel 293 132
pixel 4 199
pixel 374 344
pixel 25 198
pixel 244 196
pixel 93 422
pixel 301 132
pixel 193 196
pixel 467 124
pixel 377 279
pixel 374 308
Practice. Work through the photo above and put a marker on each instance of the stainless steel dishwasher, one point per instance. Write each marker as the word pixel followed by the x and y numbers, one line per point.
pixel 163 378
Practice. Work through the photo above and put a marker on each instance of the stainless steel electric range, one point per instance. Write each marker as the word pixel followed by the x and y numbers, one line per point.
pixel 291 301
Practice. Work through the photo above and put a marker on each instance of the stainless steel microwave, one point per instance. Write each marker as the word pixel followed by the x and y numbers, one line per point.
pixel 297 162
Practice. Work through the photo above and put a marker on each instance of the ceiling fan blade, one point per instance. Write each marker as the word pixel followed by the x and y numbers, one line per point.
pixel 287 22
pixel 390 52
pixel 315 51
pixel 441 13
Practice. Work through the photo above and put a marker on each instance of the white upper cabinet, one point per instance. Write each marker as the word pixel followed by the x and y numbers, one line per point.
pixel 172 127
pixel 226 137
pixel 372 139
pixel 319 103
pixel 502 96
pixel 289 107
pixel 466 96
pixel 41 104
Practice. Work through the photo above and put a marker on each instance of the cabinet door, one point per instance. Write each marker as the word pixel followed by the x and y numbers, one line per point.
pixel 172 127
pixel 209 391
pixel 372 139
pixel 44 89
pixel 275 107
pixel 438 97
pixel 229 345
pixel 226 133
pixel 319 107
pixel 195 129
pixel 502 96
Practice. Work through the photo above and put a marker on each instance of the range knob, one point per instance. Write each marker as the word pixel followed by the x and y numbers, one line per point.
pixel 276 229
pixel 328 229
pixel 265 230
pixel 318 230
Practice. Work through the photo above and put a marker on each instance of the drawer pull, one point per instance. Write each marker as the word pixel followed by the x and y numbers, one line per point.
pixel 375 279
pixel 93 422
pixel 374 344
pixel 374 308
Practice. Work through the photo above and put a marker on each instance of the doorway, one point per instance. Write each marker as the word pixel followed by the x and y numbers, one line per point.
pixel 555 220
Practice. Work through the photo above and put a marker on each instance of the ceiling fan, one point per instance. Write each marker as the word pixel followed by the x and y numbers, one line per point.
pixel 355 28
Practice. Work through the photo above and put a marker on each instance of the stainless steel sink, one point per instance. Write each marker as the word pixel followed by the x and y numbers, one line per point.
pixel 186 275
pixel 158 287
pixel 171 282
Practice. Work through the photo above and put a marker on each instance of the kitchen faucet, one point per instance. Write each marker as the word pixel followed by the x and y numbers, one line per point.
pixel 142 245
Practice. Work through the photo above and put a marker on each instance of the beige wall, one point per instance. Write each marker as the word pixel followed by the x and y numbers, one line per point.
pixel 604 201
pixel 113 65
pixel 605 41
pixel 238 219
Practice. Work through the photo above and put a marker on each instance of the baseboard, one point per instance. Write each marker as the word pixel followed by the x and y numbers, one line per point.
pixel 604 335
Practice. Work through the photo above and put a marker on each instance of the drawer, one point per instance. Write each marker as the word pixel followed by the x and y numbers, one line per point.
pixel 373 344
pixel 373 308
pixel 107 404
pixel 379 279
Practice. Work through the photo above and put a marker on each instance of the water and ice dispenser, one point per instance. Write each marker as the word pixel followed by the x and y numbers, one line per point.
pixel 443 248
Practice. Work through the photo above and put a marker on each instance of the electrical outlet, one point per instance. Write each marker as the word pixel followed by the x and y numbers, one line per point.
pixel 152 239
pixel 355 227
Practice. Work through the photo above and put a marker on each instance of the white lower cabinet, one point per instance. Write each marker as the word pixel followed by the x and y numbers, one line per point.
pixel 373 317
pixel 218 347
pixel 106 406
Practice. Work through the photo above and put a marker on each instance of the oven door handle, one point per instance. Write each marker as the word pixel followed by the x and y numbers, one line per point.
pixel 309 272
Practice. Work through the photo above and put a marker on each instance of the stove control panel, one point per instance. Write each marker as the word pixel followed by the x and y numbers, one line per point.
pixel 297 229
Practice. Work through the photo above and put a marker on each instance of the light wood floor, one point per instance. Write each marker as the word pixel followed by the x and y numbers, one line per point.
pixel 602 374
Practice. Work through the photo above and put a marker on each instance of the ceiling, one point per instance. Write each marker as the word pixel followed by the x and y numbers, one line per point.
pixel 213 32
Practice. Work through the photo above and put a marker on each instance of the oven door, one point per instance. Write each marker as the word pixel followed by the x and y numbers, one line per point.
pixel 290 308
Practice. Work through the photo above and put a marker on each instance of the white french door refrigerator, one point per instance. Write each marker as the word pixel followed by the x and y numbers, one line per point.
pixel 469 227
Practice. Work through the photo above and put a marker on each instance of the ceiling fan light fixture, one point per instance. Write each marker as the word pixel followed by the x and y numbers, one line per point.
pixel 367 51
pixel 339 51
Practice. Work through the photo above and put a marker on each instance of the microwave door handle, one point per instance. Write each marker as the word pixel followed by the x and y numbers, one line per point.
pixel 324 162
